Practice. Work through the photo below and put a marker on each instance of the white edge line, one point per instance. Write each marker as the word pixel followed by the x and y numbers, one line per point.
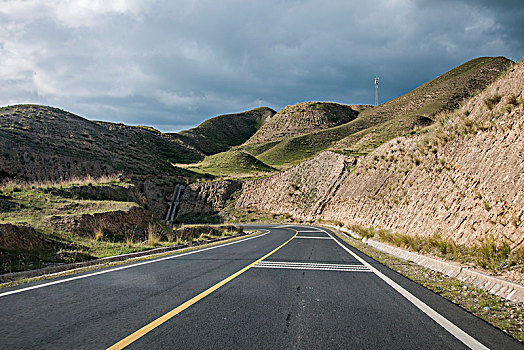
pixel 468 340
pixel 127 266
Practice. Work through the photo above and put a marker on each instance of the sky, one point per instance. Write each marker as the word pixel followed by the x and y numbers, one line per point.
pixel 174 64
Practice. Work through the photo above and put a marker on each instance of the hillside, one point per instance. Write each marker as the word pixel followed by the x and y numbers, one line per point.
pixel 303 118
pixel 418 107
pixel 374 126
pixel 220 133
pixel 458 182
pixel 39 143
pixel 462 178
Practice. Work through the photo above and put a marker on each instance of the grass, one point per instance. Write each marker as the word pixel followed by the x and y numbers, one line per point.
pixel 492 101
pixel 233 164
pixel 106 180
pixel 486 254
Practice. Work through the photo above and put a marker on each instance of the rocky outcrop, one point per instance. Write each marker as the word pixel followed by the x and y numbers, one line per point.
pixel 301 191
pixel 206 198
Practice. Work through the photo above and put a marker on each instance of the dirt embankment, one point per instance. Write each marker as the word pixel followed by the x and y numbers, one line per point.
pixel 25 238
pixel 205 198
pixel 301 191
pixel 464 178
pixel 114 225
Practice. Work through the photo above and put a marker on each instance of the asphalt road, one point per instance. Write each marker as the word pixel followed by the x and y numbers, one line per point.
pixel 310 291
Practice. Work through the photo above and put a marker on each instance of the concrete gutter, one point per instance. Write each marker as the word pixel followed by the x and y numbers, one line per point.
pixel 494 285
pixel 66 267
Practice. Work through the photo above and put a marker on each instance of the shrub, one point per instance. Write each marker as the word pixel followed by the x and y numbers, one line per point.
pixel 492 256
pixel 492 101
pixel 99 233
pixel 152 235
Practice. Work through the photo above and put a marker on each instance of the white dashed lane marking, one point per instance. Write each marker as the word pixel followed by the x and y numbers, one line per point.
pixel 313 237
pixel 312 266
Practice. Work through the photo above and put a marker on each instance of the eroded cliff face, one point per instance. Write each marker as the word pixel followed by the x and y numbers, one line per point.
pixel 301 191
pixel 464 178
pixel 206 198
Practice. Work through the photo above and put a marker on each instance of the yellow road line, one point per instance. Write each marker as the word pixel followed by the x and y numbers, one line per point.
pixel 166 317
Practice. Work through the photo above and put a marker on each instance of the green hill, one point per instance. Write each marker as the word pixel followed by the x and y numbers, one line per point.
pixel 221 133
pixel 232 163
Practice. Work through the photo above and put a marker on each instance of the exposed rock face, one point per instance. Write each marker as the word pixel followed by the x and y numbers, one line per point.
pixel 206 198
pixel 464 179
pixel 301 191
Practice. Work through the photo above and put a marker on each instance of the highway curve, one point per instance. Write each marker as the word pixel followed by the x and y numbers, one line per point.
pixel 292 287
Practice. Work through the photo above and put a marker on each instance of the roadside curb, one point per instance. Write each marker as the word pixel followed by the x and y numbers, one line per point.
pixel 13 276
pixel 494 285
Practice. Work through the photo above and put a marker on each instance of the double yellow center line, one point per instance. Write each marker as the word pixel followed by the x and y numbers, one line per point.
pixel 166 317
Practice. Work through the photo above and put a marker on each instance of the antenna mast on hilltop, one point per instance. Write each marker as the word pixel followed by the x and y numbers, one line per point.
pixel 376 91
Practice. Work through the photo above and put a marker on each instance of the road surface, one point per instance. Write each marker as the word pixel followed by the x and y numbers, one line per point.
pixel 292 287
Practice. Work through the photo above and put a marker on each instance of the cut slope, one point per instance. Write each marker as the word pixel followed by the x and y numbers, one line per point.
pixel 462 179
pixel 39 143
pixel 303 118
pixel 377 125
pixel 219 134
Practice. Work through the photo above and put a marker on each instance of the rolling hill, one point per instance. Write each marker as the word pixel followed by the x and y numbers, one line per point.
pixel 220 133
pixel 41 143
pixel 374 126
pixel 303 118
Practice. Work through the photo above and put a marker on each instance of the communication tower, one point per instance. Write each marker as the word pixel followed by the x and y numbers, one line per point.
pixel 376 91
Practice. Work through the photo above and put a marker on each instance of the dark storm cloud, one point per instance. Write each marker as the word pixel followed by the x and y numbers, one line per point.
pixel 175 64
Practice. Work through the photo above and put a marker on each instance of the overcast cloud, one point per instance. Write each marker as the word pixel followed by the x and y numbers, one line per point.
pixel 173 64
